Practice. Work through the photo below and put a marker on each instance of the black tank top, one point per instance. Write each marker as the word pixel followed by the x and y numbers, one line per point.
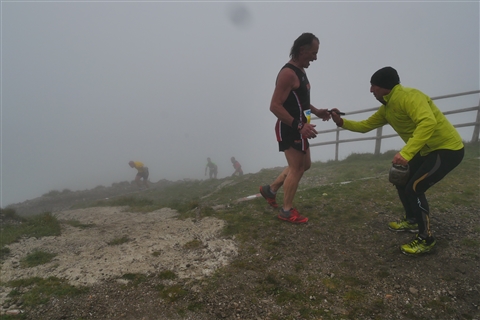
pixel 299 99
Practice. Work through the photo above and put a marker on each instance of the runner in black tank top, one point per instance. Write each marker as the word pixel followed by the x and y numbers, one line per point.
pixel 297 104
pixel 291 105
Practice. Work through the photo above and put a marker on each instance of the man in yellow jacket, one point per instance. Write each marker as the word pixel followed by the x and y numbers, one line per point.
pixel 142 172
pixel 432 149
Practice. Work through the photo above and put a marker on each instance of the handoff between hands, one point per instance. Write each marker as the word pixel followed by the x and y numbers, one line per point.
pixel 335 113
pixel 323 114
pixel 308 129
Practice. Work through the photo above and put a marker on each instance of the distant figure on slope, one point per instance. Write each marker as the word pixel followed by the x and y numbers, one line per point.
pixel 432 149
pixel 237 166
pixel 213 169
pixel 142 173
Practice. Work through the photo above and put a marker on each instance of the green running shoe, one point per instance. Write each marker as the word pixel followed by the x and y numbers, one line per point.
pixel 418 246
pixel 403 225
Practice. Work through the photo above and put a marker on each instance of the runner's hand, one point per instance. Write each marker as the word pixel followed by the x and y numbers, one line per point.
pixel 309 131
pixel 323 114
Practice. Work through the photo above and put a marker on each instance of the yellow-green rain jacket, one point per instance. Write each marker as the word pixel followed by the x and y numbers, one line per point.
pixel 416 119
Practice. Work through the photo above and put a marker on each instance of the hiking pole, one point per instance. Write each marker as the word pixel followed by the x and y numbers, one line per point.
pixel 337 112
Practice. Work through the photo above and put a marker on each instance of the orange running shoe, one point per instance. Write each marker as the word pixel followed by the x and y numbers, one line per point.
pixel 268 195
pixel 292 216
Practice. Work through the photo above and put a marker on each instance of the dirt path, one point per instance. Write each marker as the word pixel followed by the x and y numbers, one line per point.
pixel 156 242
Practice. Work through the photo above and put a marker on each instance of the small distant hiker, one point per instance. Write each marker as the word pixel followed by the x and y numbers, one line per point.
pixel 141 174
pixel 213 169
pixel 237 166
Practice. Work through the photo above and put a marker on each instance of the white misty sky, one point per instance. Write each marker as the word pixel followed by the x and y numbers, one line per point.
pixel 87 86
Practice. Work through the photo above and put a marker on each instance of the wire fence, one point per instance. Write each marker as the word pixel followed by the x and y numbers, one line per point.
pixel 379 132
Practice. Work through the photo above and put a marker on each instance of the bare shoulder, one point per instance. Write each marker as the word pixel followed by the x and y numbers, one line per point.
pixel 287 78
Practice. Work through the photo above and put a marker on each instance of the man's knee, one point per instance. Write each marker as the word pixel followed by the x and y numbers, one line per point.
pixel 410 192
pixel 296 171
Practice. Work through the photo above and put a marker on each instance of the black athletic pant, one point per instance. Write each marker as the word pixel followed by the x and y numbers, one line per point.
pixel 424 173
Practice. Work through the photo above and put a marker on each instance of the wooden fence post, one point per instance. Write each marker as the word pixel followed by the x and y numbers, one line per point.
pixel 378 141
pixel 476 129
pixel 337 144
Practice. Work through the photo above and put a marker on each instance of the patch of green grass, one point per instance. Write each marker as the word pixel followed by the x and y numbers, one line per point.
pixel 331 284
pixel 128 201
pixel 135 278
pixel 353 295
pixel 204 212
pixel 195 306
pixel 383 274
pixel 299 267
pixel 251 250
pixel 237 223
pixel 40 291
pixel 471 243
pixel 270 244
pixel 292 279
pixel 473 256
pixel 286 296
pixel 178 196
pixel 167 275
pixel 43 225
pixel 78 224
pixel 272 279
pixel 193 244
pixel 11 214
pixel 434 304
pixel 4 252
pixel 13 317
pixel 36 258
pixel 377 305
pixel 309 313
pixel 38 226
pixel 172 293
pixel 353 281
pixel 271 285
pixel 251 263
pixel 118 241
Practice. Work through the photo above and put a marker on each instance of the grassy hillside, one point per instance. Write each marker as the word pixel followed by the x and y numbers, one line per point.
pixel 343 264
pixel 354 183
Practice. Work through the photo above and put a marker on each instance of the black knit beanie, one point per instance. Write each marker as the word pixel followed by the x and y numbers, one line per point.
pixel 386 77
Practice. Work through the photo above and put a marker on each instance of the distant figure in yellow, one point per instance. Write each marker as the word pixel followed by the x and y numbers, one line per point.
pixel 142 173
